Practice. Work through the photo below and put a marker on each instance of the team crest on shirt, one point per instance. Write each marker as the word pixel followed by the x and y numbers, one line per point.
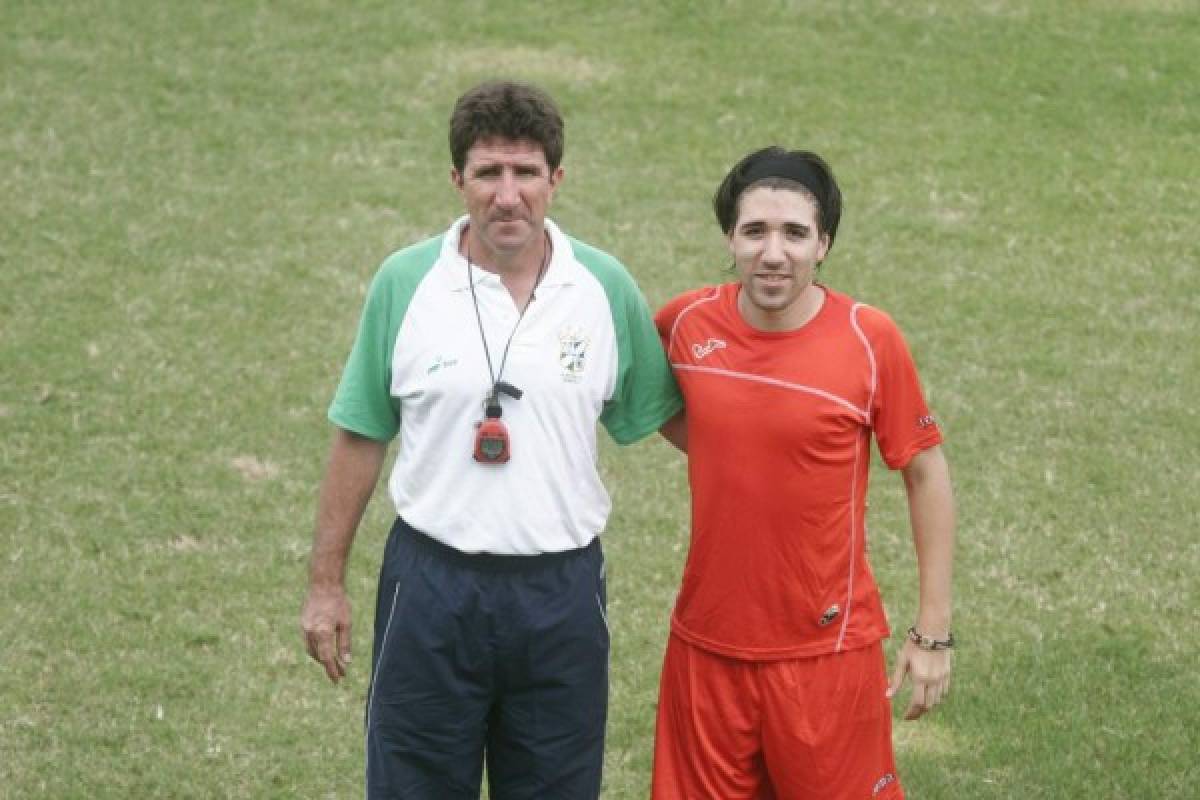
pixel 572 353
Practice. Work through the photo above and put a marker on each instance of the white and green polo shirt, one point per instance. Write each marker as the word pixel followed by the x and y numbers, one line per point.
pixel 586 350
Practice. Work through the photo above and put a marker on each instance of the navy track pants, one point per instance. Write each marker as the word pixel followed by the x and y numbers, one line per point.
pixel 485 657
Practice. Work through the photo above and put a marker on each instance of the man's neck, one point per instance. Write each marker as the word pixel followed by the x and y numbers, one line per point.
pixel 519 271
pixel 796 316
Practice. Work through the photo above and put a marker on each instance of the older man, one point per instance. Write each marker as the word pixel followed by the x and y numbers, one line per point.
pixel 492 351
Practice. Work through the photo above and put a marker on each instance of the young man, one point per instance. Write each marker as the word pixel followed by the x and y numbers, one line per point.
pixel 492 351
pixel 774 682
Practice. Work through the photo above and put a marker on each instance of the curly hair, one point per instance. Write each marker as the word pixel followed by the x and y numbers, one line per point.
pixel 508 110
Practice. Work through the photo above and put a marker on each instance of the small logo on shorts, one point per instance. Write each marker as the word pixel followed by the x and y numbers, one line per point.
pixel 830 615
pixel 883 783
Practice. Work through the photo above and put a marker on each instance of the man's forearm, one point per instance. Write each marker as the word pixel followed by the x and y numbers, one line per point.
pixel 350 476
pixel 931 510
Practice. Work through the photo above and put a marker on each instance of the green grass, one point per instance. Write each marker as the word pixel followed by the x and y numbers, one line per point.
pixel 194 197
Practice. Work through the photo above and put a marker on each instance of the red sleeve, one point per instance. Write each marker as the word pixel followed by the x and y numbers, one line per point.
pixel 899 415
pixel 664 320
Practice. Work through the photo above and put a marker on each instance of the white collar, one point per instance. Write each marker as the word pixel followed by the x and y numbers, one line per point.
pixel 558 271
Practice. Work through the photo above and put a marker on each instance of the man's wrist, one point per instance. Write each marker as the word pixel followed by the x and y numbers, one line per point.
pixel 326 571
pixel 933 621
pixel 925 642
pixel 325 585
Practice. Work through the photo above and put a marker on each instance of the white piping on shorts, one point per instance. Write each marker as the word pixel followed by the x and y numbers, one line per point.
pixel 603 615
pixel 371 693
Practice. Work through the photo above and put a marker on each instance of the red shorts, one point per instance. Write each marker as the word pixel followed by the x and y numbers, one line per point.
pixel 798 729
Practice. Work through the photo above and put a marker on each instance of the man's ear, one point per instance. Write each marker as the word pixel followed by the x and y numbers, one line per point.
pixel 456 179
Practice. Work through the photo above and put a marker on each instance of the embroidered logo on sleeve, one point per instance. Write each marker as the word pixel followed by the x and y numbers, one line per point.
pixel 926 421
pixel 441 362
pixel 702 350
pixel 883 783
pixel 572 353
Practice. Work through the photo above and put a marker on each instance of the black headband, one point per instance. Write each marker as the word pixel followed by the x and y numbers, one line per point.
pixel 785 166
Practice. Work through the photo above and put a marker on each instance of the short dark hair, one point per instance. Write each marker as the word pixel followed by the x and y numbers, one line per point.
pixel 509 110
pixel 776 168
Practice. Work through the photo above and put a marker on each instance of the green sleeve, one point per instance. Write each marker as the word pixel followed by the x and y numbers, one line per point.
pixel 363 403
pixel 645 395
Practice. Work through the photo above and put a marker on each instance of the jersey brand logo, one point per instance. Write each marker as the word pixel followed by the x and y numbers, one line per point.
pixel 883 783
pixel 702 350
pixel 439 363
pixel 926 421
pixel 572 353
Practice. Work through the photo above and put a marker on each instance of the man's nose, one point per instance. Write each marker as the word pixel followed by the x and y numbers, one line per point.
pixel 507 194
pixel 773 249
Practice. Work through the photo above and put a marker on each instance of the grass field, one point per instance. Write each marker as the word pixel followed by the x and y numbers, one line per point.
pixel 195 195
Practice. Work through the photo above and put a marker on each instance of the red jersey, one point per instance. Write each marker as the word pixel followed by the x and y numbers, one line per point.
pixel 779 427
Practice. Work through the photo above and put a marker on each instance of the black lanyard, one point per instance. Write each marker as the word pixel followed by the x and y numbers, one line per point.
pixel 493 401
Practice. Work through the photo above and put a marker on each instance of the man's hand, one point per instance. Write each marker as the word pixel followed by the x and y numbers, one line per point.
pixel 326 624
pixel 930 671
pixel 350 476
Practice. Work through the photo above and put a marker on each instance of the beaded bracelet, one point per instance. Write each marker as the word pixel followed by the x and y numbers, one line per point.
pixel 929 643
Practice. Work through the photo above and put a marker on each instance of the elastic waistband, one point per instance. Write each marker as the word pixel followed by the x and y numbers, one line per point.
pixel 490 562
